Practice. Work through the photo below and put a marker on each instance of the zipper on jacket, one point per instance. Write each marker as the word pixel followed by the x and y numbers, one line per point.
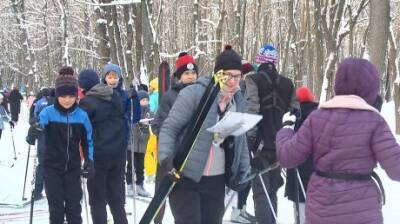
pixel 66 164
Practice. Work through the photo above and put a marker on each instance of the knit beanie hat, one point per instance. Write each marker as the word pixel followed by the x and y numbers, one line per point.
pixel 87 79
pixel 304 94
pixel 267 53
pixel 66 83
pixel 154 84
pixel 247 67
pixel 112 68
pixel 142 94
pixel 228 59
pixel 184 62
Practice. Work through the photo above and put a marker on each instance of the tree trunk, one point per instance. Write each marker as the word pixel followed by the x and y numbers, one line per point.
pixel 102 48
pixel 137 9
pixel 129 42
pixel 379 20
pixel 117 36
pixel 218 32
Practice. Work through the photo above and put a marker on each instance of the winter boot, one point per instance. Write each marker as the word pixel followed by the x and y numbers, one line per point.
pixel 129 190
pixel 141 191
pixel 241 216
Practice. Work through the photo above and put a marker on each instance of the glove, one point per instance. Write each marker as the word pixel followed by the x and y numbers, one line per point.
pixel 288 120
pixel 88 169
pixel 228 143
pixel 252 143
pixel 33 134
pixel 257 164
pixel 12 125
pixel 133 93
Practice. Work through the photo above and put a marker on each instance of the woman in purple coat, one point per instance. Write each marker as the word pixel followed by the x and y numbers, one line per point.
pixel 347 137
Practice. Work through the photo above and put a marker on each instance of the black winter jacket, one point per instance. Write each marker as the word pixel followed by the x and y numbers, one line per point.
pixel 167 101
pixel 105 111
pixel 306 168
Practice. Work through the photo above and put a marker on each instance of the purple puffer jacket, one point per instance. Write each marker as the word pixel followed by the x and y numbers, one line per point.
pixel 347 141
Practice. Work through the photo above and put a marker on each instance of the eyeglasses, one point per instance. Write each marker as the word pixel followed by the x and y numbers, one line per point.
pixel 230 76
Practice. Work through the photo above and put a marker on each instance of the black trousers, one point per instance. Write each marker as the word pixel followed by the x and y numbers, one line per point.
pixel 108 187
pixel 64 194
pixel 1 130
pixel 128 174
pixel 198 203
pixel 242 196
pixel 139 167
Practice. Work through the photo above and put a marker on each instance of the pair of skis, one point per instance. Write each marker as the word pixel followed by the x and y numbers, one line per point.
pixel 182 155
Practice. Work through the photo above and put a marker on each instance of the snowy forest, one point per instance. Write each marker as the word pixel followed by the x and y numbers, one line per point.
pixel 312 36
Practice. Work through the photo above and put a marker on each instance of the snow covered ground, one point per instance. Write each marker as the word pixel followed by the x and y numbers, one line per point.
pixel 12 179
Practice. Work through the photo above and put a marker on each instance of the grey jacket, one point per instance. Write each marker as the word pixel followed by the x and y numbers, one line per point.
pixel 179 117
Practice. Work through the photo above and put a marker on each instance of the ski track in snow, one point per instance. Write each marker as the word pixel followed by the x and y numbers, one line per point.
pixel 12 183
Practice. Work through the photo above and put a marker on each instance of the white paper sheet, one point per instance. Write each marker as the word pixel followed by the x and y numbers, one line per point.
pixel 235 123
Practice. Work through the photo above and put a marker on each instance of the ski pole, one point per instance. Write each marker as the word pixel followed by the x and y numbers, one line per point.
pixel 26 173
pixel 301 183
pixel 268 198
pixel 85 199
pixel 12 138
pixel 133 166
pixel 33 190
pixel 297 205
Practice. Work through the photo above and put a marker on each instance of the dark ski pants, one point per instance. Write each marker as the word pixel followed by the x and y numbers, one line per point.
pixel 242 196
pixel 128 174
pixel 108 187
pixel 273 181
pixel 64 194
pixel 1 130
pixel 14 116
pixel 39 182
pixel 139 167
pixel 198 203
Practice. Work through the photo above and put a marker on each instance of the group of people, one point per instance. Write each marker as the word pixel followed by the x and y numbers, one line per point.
pixel 329 149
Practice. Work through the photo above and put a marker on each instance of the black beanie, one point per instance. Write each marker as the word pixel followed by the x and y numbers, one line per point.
pixel 66 83
pixel 228 59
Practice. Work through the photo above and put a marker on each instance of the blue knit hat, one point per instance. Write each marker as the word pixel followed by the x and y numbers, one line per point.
pixel 112 68
pixel 142 94
pixel 87 79
pixel 267 53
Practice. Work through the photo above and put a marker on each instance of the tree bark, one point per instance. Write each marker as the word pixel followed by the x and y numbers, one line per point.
pixel 378 33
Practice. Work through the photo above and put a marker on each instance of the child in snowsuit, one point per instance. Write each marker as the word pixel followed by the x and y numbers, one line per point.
pixel 65 126
pixel 141 134
pixel 4 116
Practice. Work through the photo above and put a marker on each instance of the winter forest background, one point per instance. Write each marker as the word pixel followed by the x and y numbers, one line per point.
pixel 37 37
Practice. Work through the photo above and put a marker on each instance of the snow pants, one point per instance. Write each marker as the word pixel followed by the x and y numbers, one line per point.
pixel 64 194
pixel 139 168
pixel 108 187
pixel 198 203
